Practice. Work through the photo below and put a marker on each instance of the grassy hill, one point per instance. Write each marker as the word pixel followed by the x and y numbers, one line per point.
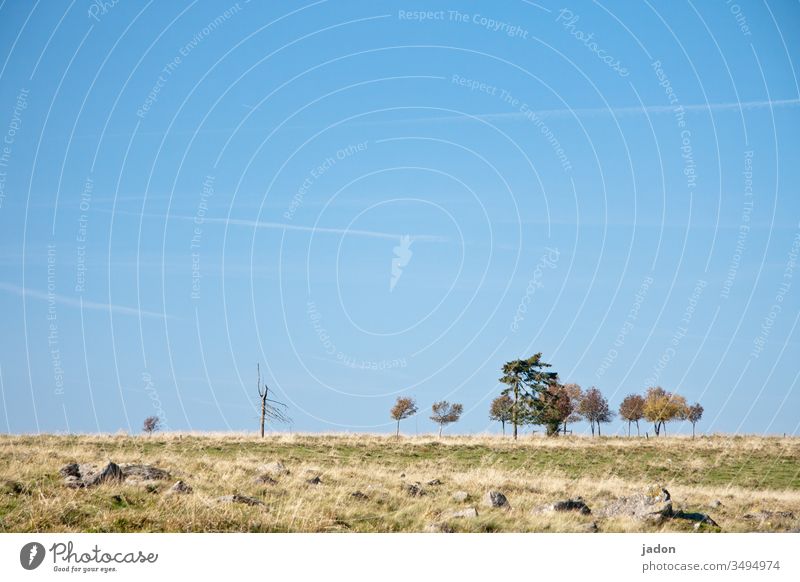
pixel 743 483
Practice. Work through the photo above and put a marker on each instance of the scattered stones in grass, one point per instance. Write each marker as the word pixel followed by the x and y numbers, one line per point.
pixel 314 480
pixel 434 482
pixel 576 504
pixel 86 475
pixel 359 495
pixel 496 499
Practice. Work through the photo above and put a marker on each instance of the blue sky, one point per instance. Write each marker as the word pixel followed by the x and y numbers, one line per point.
pixel 371 202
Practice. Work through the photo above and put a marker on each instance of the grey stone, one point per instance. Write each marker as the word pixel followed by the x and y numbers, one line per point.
pixel 434 482
pixel 576 504
pixel 359 495
pixel 414 489
pixel 180 488
pixel 143 473
pixel 314 481
pixel 461 513
pixel 652 505
pixel 111 473
pixel 461 496
pixel 495 499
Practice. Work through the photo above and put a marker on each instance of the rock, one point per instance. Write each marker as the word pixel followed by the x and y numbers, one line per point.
pixel 275 469
pixel 576 504
pixel 314 481
pixel 414 489
pixel 236 498
pixel 180 488
pixel 434 482
pixel 460 496
pixel 495 499
pixel 461 513
pixel 143 473
pixel 591 527
pixel 111 473
pixel 653 505
pixel 715 504
pixel 264 479
pixel 764 515
pixel 70 470
pixel 359 495
pixel 698 518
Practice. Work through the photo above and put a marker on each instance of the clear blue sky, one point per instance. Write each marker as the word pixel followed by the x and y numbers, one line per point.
pixel 372 203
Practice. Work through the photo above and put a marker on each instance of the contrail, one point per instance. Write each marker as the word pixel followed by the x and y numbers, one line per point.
pixel 72 302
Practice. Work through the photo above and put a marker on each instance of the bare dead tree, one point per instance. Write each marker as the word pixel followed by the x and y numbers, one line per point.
pixel 270 409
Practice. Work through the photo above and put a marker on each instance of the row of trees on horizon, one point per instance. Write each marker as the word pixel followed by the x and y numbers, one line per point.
pixel 535 396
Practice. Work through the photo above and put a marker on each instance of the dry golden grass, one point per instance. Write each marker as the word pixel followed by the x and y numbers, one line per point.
pixel 747 474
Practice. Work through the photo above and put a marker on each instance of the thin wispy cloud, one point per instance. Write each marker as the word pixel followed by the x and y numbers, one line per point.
pixel 260 224
pixel 29 293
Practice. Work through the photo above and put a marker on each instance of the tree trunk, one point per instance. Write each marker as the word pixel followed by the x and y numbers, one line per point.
pixel 263 413
pixel 692 430
pixel 503 423
pixel 664 427
pixel 514 412
pixel 441 426
pixel 565 428
pixel 629 429
pixel 656 428
pixel 598 428
pixel 398 429
pixel 592 423
pixel 637 429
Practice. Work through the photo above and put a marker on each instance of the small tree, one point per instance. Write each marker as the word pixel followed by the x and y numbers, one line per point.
pixel 661 406
pixel 526 380
pixel 500 410
pixel 151 425
pixel 556 408
pixel 594 408
pixel 445 413
pixel 402 409
pixel 632 410
pixel 575 394
pixel 693 414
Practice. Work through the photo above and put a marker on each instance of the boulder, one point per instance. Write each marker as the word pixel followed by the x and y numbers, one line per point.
pixel 460 496
pixel 495 499
pixel 576 504
pixel 143 473
pixel 652 505
pixel 10 487
pixel 111 473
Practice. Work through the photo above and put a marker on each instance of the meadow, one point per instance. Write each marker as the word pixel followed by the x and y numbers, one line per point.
pixel 370 483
